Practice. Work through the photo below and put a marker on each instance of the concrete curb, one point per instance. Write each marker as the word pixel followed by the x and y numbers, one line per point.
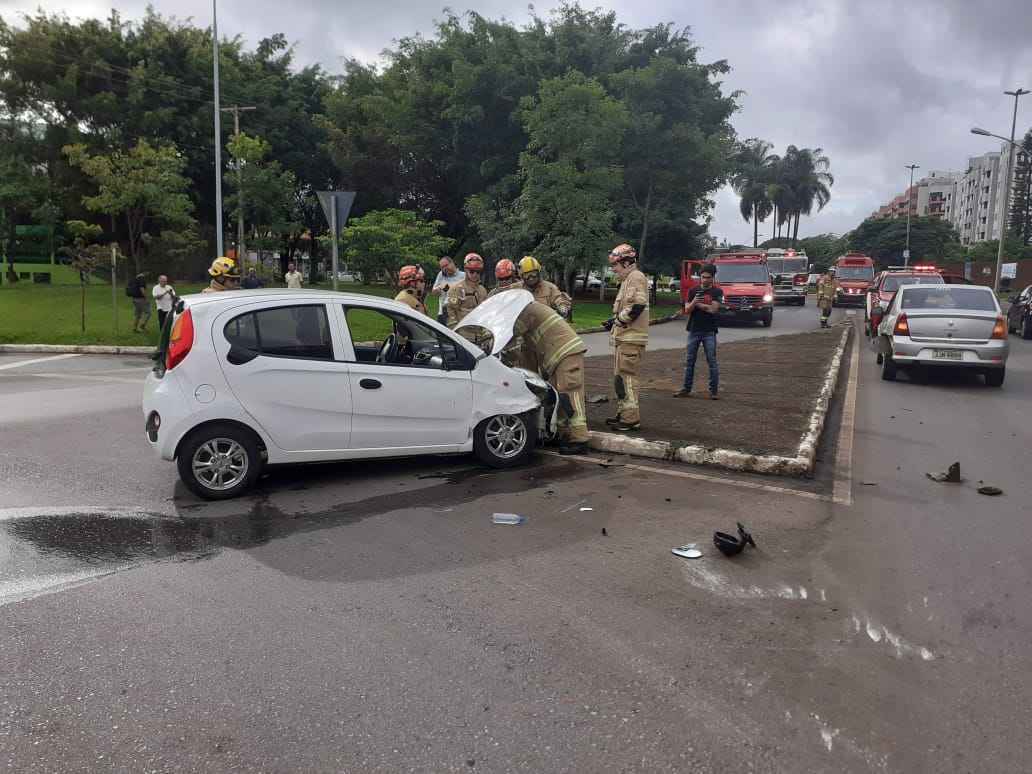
pixel 657 321
pixel 78 349
pixel 731 459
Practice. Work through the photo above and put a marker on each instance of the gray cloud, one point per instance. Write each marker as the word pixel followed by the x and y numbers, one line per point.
pixel 877 84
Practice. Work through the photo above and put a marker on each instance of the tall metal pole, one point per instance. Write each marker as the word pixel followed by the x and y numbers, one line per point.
pixel 1006 189
pixel 906 253
pixel 218 129
pixel 333 228
pixel 114 279
pixel 235 110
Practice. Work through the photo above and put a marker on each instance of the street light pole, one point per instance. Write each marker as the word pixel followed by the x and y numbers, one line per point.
pixel 906 253
pixel 1006 188
pixel 218 129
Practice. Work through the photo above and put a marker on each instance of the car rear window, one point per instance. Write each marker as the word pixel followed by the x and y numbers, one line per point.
pixel 949 297
pixel 285 331
pixel 891 284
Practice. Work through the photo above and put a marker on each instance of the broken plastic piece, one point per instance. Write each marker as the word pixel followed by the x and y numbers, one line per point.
pixel 729 545
pixel 508 518
pixel 598 399
pixel 992 491
pixel 688 551
pixel 951 476
pixel 587 509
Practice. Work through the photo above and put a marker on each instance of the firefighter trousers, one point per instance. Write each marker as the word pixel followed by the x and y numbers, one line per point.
pixel 568 380
pixel 626 366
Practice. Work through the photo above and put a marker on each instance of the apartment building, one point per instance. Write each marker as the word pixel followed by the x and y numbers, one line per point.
pixel 931 196
pixel 975 200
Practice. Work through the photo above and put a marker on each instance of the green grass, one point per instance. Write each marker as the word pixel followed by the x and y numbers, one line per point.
pixel 40 314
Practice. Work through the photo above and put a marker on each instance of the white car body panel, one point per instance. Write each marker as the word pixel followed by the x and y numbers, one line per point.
pixel 288 401
pixel 498 315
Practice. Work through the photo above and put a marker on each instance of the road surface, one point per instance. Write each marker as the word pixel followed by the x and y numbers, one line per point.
pixel 370 617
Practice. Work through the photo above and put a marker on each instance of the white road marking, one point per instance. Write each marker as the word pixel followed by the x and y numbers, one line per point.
pixel 72 376
pixel 47 359
pixel 842 490
pixel 698 477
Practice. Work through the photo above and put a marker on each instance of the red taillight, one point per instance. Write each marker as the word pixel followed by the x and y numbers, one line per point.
pixel 999 329
pixel 800 279
pixel 179 341
pixel 902 326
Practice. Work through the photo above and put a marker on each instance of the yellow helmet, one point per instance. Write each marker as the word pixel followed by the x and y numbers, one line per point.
pixel 224 267
pixel 529 263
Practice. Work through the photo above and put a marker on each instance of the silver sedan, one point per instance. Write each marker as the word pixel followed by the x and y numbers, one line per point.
pixel 960 326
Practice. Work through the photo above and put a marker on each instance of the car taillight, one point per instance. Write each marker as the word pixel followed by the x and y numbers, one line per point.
pixel 180 340
pixel 902 326
pixel 999 329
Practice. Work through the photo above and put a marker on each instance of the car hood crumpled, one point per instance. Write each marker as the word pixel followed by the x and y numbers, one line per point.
pixel 498 315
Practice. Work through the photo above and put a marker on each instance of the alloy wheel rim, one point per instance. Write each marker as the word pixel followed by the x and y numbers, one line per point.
pixel 506 436
pixel 220 464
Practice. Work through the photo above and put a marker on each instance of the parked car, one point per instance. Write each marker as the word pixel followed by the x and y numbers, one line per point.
pixel 1019 316
pixel 959 326
pixel 258 377
pixel 674 286
pixel 594 283
pixel 349 276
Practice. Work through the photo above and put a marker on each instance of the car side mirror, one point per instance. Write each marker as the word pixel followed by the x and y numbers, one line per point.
pixel 437 361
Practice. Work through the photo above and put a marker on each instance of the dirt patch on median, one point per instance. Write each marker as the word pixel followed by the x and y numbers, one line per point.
pixel 768 388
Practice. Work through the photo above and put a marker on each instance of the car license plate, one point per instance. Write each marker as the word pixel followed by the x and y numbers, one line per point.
pixel 948 354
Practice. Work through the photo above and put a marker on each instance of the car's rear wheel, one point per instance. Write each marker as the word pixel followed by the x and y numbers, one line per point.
pixel 505 440
pixel 220 461
pixel 879 358
pixel 888 367
pixel 1026 329
pixel 995 377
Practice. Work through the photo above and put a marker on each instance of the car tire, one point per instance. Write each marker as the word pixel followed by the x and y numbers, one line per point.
pixel 222 438
pixel 768 318
pixel 888 368
pixel 495 451
pixel 1026 329
pixel 878 358
pixel 802 301
pixel 995 377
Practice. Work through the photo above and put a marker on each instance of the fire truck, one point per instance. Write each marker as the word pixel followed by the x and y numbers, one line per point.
pixel 789 272
pixel 745 280
pixel 854 276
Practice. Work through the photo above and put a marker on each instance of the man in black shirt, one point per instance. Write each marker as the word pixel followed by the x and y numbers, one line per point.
pixel 704 302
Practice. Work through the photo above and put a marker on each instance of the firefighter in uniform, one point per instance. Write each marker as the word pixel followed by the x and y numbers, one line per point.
pixel 505 273
pixel 412 280
pixel 224 275
pixel 545 292
pixel 467 295
pixel 629 332
pixel 545 343
pixel 826 295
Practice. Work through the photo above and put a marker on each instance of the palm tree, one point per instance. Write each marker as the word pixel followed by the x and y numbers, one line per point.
pixel 809 182
pixel 754 166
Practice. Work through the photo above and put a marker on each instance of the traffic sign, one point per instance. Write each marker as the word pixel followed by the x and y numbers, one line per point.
pixel 342 200
pixel 906 255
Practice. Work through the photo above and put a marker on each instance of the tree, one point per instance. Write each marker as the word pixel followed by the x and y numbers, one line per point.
pixel 808 179
pixel 571 171
pixel 83 256
pixel 884 240
pixel 144 186
pixel 383 241
pixel 754 169
pixel 1020 221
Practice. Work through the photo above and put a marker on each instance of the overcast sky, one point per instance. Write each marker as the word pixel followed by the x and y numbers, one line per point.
pixel 876 84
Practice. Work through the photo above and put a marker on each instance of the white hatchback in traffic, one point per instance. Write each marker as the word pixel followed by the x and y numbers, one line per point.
pixel 249 377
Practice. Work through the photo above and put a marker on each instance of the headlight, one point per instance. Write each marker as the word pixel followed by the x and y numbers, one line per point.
pixel 768 298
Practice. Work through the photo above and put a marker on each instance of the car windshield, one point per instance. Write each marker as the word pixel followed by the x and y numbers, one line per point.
pixel 742 272
pixel 787 265
pixel 855 272
pixel 949 297
pixel 891 284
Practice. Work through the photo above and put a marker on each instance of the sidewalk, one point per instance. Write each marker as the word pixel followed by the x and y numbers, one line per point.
pixel 769 391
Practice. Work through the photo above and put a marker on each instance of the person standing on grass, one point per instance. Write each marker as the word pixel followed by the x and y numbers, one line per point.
pixel 163 294
pixel 704 302
pixel 141 306
pixel 292 277
pixel 251 281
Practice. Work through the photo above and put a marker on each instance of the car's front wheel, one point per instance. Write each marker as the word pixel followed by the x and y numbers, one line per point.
pixel 505 440
pixel 768 318
pixel 219 461
pixel 994 378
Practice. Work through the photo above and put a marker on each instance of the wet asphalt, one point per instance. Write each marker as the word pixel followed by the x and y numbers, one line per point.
pixel 370 617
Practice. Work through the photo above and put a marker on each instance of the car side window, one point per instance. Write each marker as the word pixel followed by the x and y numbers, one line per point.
pixel 389 338
pixel 300 331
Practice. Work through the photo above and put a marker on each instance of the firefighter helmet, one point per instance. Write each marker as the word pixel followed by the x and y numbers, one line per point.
pixel 473 261
pixel 624 253
pixel 528 264
pixel 223 267
pixel 410 275
pixel 505 269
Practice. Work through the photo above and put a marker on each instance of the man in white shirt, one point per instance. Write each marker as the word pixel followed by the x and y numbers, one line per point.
pixel 163 294
pixel 446 277
pixel 293 277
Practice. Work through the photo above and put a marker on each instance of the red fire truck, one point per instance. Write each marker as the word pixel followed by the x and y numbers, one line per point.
pixel 745 280
pixel 854 275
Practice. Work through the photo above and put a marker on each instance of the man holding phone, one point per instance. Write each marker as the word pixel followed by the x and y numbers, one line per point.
pixel 704 302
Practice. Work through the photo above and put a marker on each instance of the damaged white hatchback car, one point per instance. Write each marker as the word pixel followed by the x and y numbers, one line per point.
pixel 247 378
